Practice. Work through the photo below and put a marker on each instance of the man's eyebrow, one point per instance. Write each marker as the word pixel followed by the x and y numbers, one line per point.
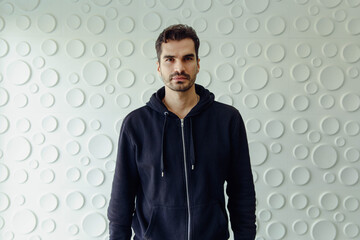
pixel 189 55
pixel 168 56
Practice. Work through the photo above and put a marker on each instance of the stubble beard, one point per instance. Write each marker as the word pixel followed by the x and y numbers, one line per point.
pixel 180 85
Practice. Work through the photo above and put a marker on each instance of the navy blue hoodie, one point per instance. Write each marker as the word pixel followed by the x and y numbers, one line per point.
pixel 170 174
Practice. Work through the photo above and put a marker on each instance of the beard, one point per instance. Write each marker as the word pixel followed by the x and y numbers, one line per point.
pixel 181 85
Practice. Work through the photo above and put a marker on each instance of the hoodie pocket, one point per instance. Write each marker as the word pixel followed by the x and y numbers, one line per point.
pixel 210 222
pixel 167 224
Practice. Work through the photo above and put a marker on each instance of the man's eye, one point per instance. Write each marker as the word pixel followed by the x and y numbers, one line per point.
pixel 169 60
pixel 188 59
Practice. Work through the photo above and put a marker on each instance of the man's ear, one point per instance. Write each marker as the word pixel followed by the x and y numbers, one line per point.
pixel 158 67
pixel 198 64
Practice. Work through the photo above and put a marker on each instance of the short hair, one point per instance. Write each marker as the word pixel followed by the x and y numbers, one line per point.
pixel 177 32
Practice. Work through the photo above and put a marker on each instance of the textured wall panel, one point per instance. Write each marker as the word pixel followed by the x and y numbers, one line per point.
pixel 71 70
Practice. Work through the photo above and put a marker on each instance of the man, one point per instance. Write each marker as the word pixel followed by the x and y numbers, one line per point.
pixel 176 153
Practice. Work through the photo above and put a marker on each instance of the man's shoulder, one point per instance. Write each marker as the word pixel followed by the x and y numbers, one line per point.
pixel 225 108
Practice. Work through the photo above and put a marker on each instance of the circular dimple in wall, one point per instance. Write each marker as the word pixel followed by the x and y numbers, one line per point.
pixel 300 227
pixel 302 24
pixel 47 176
pixel 47 23
pixel 276 201
pixel 351 53
pixel 23 49
pixel 352 26
pixel 300 72
pixel 4 202
pixel 299 125
pixel 4 123
pixel 94 73
pixel 349 176
pixel 76 127
pixel 147 49
pixel 252 24
pixel 49 123
pixel 75 200
pixel 16 153
pixel 73 21
pixel 49 202
pixel 94 224
pixel 24 221
pixel 152 21
pixel 95 177
pixel 225 26
pixel 351 230
pixel 274 129
pixel 350 102
pixel 300 103
pixel 300 175
pixel 275 25
pixel 100 146
pixel 332 77
pixel 256 6
pixel 258 153
pixel 47 100
pixel 126 78
pixel 4 173
pixel 227 49
pixel 299 201
pixel 324 156
pixel 96 101
pixel 324 26
pixel 50 154
pixel 123 100
pixel 273 177
pixel 48 225
pixel 253 49
pixel 323 230
pixel 329 201
pixel 73 147
pixel 224 72
pixel 330 125
pixel 351 204
pixel 276 230
pixel 49 78
pixel 264 215
pixel 75 97
pixel 73 174
pixel 126 24
pixel 352 154
pixel 203 78
pixel 18 72
pixel 126 48
pixel 253 125
pixel 49 47
pixel 96 25
pixel 274 102
pixel 327 101
pixel 275 53
pixel 75 48
pixel 98 201
pixel 255 77
pixel 329 50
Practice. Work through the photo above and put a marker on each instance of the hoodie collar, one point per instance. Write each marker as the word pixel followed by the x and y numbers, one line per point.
pixel 155 102
pixel 206 98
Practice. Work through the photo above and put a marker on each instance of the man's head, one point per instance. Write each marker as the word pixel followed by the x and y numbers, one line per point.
pixel 178 62
pixel 177 32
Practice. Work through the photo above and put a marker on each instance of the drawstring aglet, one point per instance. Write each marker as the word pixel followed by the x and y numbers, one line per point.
pixel 162 174
pixel 192 167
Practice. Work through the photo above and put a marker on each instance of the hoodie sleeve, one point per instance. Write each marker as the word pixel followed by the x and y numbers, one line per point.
pixel 240 185
pixel 124 187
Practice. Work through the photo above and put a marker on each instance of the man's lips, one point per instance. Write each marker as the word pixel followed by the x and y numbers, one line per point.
pixel 179 78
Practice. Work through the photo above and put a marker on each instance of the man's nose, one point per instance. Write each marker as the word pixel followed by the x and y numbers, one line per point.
pixel 179 67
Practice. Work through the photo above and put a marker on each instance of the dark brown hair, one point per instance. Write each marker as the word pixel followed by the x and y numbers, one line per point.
pixel 177 32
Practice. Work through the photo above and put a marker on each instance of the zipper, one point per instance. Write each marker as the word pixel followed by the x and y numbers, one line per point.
pixel 186 179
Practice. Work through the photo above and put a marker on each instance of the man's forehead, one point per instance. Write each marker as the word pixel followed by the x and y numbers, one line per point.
pixel 182 47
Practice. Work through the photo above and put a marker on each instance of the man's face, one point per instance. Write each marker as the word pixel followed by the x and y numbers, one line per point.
pixel 178 65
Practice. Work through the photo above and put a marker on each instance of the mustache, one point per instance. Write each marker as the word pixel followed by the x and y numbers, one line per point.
pixel 183 74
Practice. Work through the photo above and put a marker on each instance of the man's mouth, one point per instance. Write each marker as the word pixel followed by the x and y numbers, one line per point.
pixel 179 77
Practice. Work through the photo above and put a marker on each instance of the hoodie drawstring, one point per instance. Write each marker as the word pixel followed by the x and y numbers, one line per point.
pixel 163 144
pixel 192 148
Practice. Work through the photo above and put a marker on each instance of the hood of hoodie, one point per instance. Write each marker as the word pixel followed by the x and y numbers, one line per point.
pixel 206 99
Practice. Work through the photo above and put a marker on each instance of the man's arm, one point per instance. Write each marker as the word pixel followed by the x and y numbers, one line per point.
pixel 240 186
pixel 124 187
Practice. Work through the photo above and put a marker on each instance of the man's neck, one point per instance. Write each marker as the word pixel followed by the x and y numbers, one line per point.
pixel 180 103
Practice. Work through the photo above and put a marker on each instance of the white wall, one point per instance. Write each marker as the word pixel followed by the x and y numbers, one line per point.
pixel 70 70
